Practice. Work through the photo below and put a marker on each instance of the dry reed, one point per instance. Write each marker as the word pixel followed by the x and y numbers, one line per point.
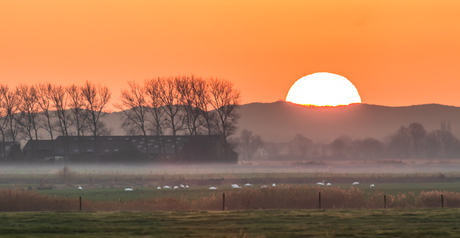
pixel 281 197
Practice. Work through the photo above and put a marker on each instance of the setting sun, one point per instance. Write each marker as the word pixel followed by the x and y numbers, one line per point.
pixel 323 89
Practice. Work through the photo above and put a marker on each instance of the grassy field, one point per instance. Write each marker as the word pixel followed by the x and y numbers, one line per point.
pixel 251 223
pixel 103 190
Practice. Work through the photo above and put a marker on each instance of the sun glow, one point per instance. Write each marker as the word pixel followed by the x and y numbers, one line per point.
pixel 323 89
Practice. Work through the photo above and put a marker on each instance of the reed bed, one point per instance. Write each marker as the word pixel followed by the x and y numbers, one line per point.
pixel 281 197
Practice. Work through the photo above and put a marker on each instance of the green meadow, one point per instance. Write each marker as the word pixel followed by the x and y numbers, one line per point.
pixel 104 194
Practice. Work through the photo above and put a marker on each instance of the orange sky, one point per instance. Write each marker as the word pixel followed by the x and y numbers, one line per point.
pixel 395 52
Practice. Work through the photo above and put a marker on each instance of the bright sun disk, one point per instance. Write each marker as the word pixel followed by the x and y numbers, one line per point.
pixel 323 89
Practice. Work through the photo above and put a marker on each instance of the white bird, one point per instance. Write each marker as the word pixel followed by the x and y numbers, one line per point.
pixel 263 186
pixel 274 185
pixel 235 186
pixel 355 183
pixel 79 187
pixel 128 189
pixel 328 184
pixel 182 186
pixel 159 188
pixel 166 187
pixel 175 187
pixel 248 185
pixel 372 185
pixel 212 188
pixel 186 186
pixel 321 183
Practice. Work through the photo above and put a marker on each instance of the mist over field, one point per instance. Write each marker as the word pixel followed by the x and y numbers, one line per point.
pixel 217 171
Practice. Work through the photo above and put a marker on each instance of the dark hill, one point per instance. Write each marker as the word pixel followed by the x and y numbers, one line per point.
pixel 280 121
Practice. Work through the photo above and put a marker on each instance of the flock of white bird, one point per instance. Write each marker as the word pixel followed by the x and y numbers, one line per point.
pixel 329 184
pixel 175 187
pixel 246 185
pixel 126 189
pixel 322 183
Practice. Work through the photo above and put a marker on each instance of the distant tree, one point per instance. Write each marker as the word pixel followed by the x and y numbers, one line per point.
pixel 369 148
pixel 134 109
pixel 249 143
pixel 301 143
pixel 96 98
pixel 338 147
pixel 447 143
pixel 433 145
pixel 418 133
pixel 400 142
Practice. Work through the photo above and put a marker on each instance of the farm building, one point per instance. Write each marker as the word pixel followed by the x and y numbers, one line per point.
pixel 132 149
pixel 11 152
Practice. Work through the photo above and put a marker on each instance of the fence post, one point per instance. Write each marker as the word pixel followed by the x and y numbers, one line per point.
pixel 223 202
pixel 80 203
pixel 442 200
pixel 385 201
pixel 319 199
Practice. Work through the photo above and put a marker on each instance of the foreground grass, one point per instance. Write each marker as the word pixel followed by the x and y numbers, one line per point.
pixel 250 223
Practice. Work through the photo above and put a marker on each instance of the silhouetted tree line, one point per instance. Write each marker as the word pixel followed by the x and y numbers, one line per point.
pixel 411 141
pixel 181 105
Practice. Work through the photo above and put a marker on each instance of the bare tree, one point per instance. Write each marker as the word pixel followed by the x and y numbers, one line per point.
pixel 169 96
pixel 76 104
pixel 96 98
pixel 60 100
pixel 134 109
pixel 78 113
pixel 3 117
pixel 418 133
pixel 188 89
pixel 29 109
pixel 44 101
pixel 202 102
pixel 225 100
pixel 10 101
pixel 154 105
